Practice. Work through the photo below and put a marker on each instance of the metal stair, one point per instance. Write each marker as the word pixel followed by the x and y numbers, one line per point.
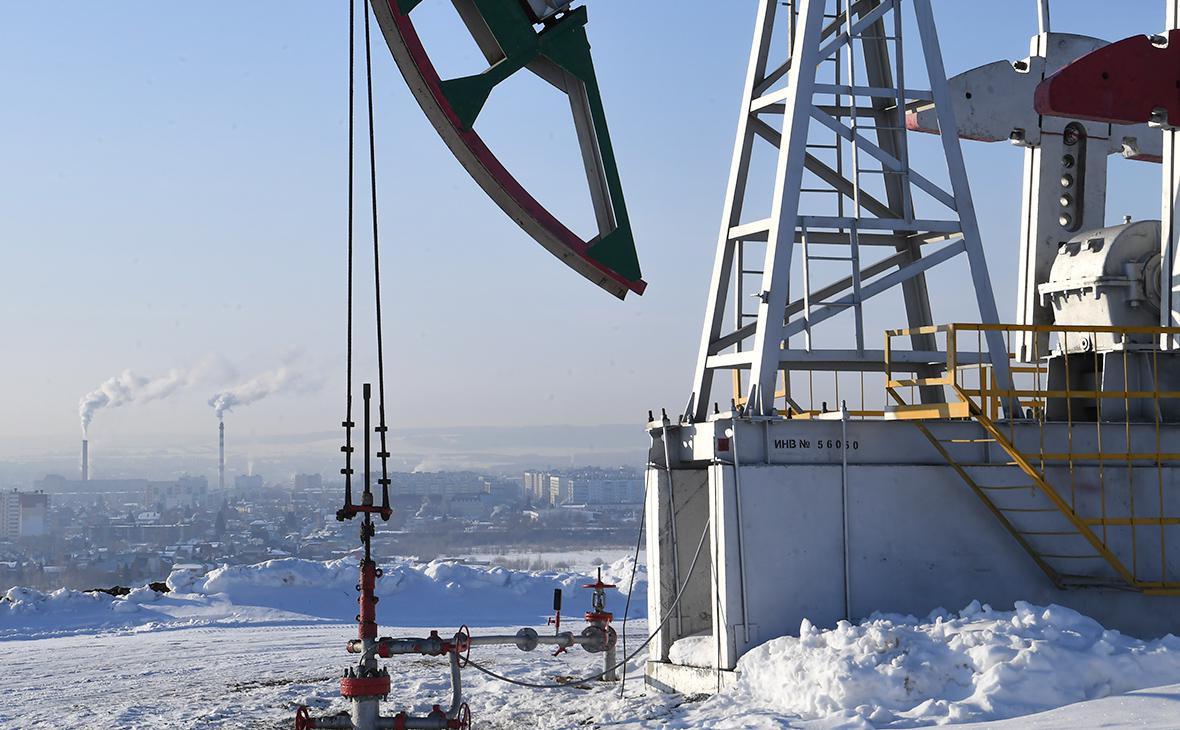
pixel 1069 533
pixel 1036 515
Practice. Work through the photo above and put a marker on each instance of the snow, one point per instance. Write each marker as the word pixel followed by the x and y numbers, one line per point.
pixel 1156 707
pixel 240 646
pixel 897 671
pixel 292 590
pixel 253 676
pixel 698 650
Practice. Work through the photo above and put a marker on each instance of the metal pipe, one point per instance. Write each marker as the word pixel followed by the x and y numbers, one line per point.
pixel 366 712
pixel 386 646
pixel 564 640
pixel 414 723
pixel 610 661
pixel 844 506
pixel 737 500
pixel 1042 16
pixel 456 686
pixel 672 524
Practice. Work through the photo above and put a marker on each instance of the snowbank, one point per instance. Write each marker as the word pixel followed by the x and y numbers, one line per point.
pixel 412 593
pixel 982 664
pixel 439 593
pixel 697 650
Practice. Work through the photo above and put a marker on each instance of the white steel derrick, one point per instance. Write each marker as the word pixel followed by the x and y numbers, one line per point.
pixel 1170 215
pixel 843 110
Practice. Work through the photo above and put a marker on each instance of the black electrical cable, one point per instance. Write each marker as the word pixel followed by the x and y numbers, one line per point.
pixel 594 677
pixel 381 427
pixel 348 423
pixel 631 583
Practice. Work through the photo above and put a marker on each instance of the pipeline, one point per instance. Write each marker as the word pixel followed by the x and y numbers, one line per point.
pixel 594 638
pixel 648 640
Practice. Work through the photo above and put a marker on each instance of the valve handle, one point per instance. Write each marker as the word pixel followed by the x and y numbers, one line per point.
pixel 303 719
pixel 463 646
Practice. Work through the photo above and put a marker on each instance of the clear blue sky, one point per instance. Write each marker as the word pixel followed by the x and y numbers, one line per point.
pixel 172 186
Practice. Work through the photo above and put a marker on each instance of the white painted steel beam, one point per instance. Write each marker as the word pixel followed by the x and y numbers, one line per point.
pixel 984 298
pixel 887 160
pixel 828 92
pixel 874 288
pixel 1170 231
pixel 734 194
pixel 776 278
pixel 852 360
pixel 863 23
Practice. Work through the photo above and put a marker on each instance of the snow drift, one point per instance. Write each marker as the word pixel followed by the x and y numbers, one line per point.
pixel 441 593
pixel 981 664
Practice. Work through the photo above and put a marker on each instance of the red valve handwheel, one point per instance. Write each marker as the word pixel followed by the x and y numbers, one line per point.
pixel 463 646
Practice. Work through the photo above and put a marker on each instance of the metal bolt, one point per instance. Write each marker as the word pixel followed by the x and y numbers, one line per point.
pixel 1067 162
pixel 1067 181
pixel 1065 200
pixel 1066 220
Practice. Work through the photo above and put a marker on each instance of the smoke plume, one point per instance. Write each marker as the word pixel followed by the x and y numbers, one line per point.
pixel 269 383
pixel 129 387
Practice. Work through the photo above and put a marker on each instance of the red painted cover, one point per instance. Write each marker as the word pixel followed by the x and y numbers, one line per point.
pixel 1121 83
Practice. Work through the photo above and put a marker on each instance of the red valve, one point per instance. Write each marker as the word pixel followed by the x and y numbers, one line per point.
pixel 463 720
pixel 303 719
pixel 599 585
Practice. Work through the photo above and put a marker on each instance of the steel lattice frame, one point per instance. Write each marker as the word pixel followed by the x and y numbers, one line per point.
pixel 1170 239
pixel 866 85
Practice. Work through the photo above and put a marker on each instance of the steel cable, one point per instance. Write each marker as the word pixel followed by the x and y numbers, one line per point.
pixel 381 427
pixel 631 583
pixel 351 206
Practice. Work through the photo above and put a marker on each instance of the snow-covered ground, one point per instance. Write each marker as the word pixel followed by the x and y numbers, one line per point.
pixel 241 646
pixel 290 591
pixel 583 561
pixel 898 671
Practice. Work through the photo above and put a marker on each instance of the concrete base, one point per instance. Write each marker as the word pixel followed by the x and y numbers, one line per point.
pixel 668 677
pixel 827 520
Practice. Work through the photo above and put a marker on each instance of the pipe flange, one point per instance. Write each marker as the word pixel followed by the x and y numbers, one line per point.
pixel 377 686
pixel 526 639
pixel 595 639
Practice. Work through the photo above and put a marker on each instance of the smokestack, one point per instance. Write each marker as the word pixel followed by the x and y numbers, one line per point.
pixel 85 460
pixel 220 455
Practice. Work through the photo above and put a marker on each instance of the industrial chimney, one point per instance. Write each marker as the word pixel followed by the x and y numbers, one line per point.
pixel 85 460
pixel 220 455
